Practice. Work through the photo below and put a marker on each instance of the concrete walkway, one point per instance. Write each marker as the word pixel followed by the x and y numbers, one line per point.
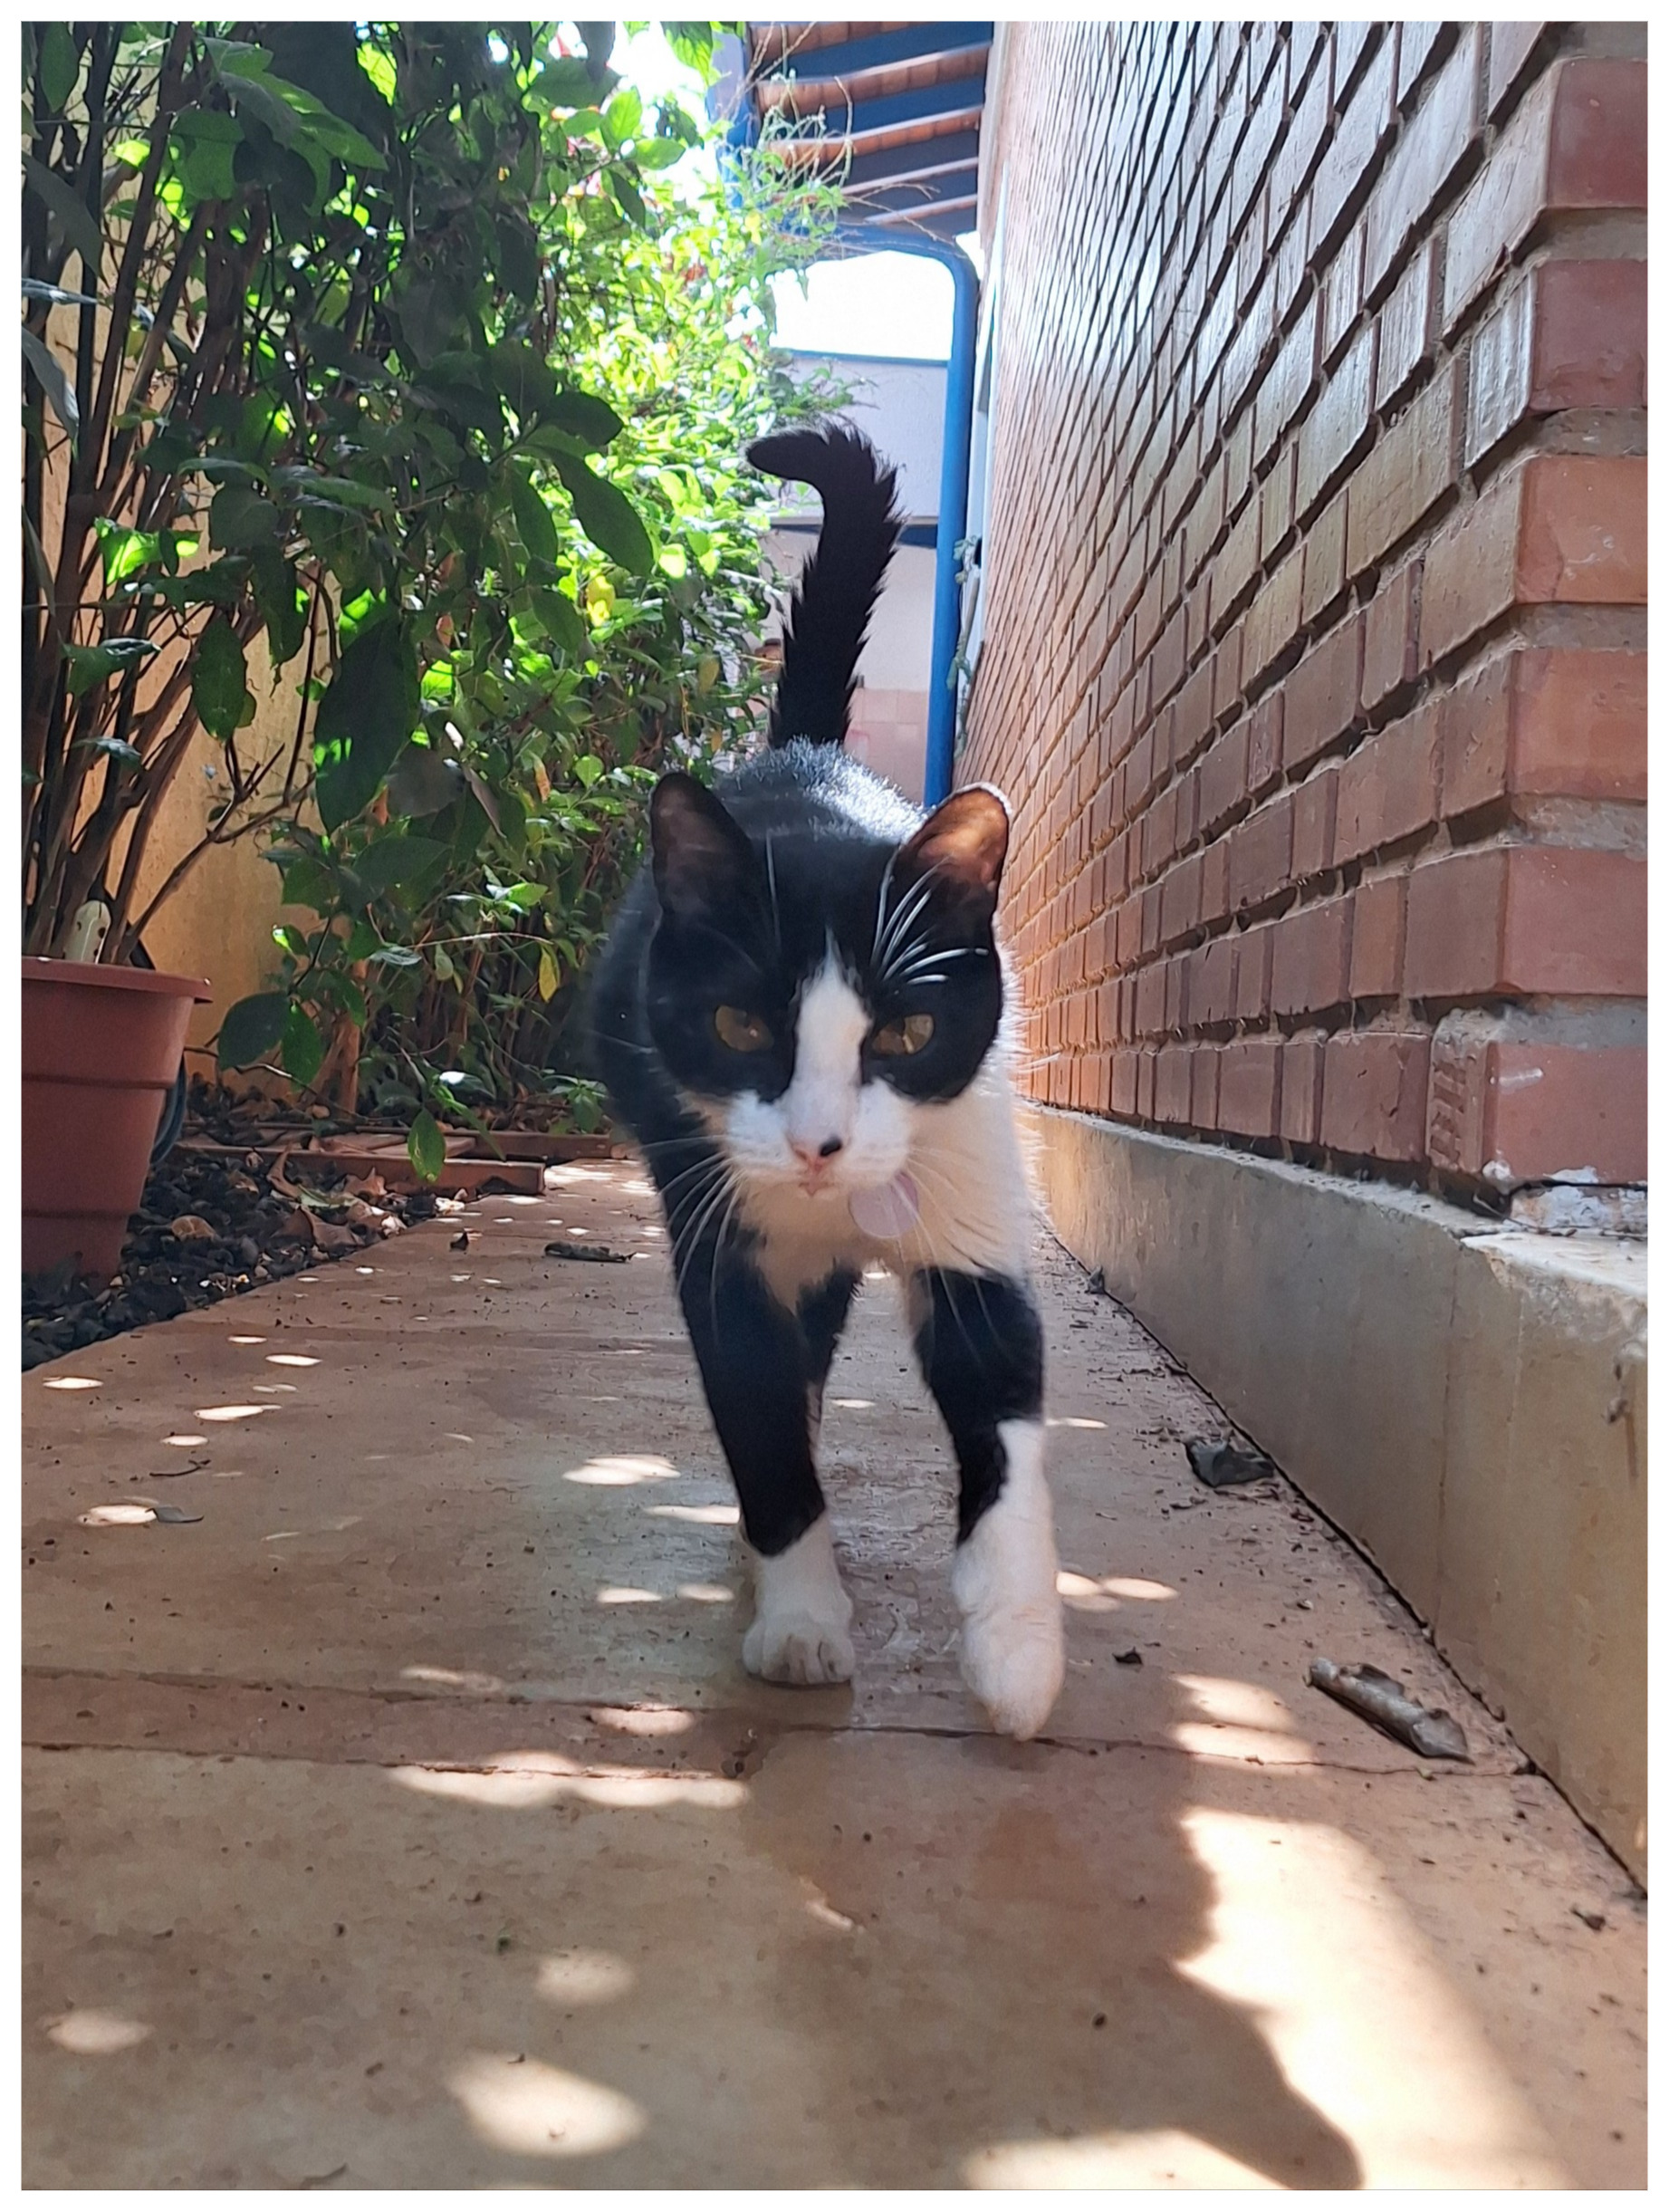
pixel 408 1821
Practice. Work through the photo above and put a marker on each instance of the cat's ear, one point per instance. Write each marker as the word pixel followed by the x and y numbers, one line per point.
pixel 962 845
pixel 702 861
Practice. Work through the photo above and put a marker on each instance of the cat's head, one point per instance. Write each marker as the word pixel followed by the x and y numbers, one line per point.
pixel 813 994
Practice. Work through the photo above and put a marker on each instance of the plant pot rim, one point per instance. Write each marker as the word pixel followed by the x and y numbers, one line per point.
pixel 100 976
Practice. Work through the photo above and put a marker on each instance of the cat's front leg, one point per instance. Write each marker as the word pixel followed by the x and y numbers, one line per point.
pixel 980 1346
pixel 760 1383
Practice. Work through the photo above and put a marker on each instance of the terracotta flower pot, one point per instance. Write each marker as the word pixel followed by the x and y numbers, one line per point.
pixel 102 1048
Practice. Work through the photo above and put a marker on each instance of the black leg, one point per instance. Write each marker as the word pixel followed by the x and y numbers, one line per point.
pixel 981 1347
pixel 822 1316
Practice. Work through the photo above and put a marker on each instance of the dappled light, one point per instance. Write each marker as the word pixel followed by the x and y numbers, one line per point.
pixel 71 1382
pixel 1386 2051
pixel 853 1405
pixel 1159 2158
pixel 710 1517
pixel 479 1685
pixel 1239 1721
pixel 290 1359
pixel 584 1977
pixel 618 1473
pixel 1091 1593
pixel 643 1719
pixel 707 1593
pixel 183 1441
pixel 522 2104
pixel 245 1340
pixel 92 2034
pixel 230 1413
pixel 618 1596
pixel 523 1780
pixel 1072 1420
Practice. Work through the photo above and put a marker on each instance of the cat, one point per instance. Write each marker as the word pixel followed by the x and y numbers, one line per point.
pixel 799 1015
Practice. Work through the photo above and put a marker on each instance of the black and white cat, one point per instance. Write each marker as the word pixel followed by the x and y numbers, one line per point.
pixel 799 1015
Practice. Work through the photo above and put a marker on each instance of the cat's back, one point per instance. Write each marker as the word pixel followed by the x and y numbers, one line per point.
pixel 819 790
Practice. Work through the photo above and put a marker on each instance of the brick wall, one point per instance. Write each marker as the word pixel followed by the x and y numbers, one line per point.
pixel 1314 660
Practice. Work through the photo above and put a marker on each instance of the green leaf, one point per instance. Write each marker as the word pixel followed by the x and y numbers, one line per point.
pixel 240 517
pixel 517 256
pixel 533 520
pixel 57 67
pixel 608 517
pixel 54 383
pixel 548 977
pixel 364 718
pixel 588 768
pixel 567 83
pixel 623 115
pixel 302 1048
pixel 423 781
pixel 524 377
pixel 74 217
pixel 309 883
pixel 630 199
pixel 283 606
pixel 563 623
pixel 94 664
pixel 426 1147
pixel 397 860
pixel 252 1029
pixel 577 415
pixel 207 138
pixel 219 680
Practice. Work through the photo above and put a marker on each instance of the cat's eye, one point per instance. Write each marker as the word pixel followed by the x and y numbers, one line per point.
pixel 897 1040
pixel 741 1032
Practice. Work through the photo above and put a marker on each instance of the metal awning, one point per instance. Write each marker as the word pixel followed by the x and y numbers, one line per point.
pixel 892 111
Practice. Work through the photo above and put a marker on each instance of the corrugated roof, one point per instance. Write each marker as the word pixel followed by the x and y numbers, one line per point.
pixel 892 110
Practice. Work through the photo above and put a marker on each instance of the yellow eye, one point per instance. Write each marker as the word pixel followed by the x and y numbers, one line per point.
pixel 741 1032
pixel 899 1038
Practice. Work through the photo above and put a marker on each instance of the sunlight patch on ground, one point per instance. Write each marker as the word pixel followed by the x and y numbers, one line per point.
pixel 519 2103
pixel 1101 1593
pixel 619 1594
pixel 1239 1721
pixel 617 1472
pixel 712 1516
pixel 584 1977
pixel 707 1593
pixel 1072 1420
pixel 523 1781
pixel 90 2034
pixel 479 1685
pixel 230 1413
pixel 643 1719
pixel 1162 2157
pixel 1307 1933
pixel 290 1359
pixel 72 1382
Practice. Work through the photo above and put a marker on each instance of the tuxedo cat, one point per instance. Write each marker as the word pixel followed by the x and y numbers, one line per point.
pixel 799 1015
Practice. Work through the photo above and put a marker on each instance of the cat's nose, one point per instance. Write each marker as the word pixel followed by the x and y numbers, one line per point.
pixel 829 1148
pixel 812 1151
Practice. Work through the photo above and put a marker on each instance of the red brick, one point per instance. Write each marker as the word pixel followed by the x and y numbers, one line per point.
pixel 1388 787
pixel 1511 47
pixel 1235 566
pixel 1179 900
pixel 1373 1102
pixel 1390 644
pixel 1222 778
pixel 1276 497
pixel 1579 141
pixel 1203 1100
pixel 1377 908
pixel 1310 969
pixel 1300 1090
pixel 1214 883
pixel 1324 558
pixel 1338 423
pixel 1405 335
pixel 1211 984
pixel 1522 920
pixel 1264 742
pixel 1405 476
pixel 1194 714
pixel 1123 1081
pixel 1314 807
pixel 1249 1087
pixel 1275 615
pixel 1253 949
pixel 1356 138
pixel 1323 693
pixel 1300 144
pixel 1564 527
pixel 1572 334
pixel 1341 293
pixel 1427 155
pixel 1144 1085
pixel 1171 1090
pixel 1522 1111
pixel 1286 385
pixel 1546 725
pixel 1414 50
pixel 1260 854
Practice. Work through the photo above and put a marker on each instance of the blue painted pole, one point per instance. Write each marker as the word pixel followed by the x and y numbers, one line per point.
pixel 953 467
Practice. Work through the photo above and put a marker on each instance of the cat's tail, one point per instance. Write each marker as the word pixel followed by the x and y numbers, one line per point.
pixel 829 611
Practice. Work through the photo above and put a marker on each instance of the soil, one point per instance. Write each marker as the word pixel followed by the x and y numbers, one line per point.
pixel 209 1225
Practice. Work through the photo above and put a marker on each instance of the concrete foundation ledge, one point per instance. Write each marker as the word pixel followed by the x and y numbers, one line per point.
pixel 1469 1405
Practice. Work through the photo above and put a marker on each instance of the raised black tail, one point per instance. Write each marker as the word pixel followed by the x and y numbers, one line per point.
pixel 831 605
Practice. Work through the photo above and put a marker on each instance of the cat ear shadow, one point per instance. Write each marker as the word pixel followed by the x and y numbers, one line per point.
pixel 702 858
pixel 963 844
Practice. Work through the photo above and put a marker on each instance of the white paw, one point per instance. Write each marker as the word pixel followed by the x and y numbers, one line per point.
pixel 1014 1663
pixel 802 1615
pixel 794 1648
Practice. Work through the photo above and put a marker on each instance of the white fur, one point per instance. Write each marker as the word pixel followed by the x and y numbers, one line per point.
pixel 964 1154
pixel 1013 1650
pixel 801 1613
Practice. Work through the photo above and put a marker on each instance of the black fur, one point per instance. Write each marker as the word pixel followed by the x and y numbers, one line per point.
pixel 981 1347
pixel 829 611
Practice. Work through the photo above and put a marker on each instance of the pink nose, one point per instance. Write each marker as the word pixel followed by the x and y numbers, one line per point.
pixel 813 1151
